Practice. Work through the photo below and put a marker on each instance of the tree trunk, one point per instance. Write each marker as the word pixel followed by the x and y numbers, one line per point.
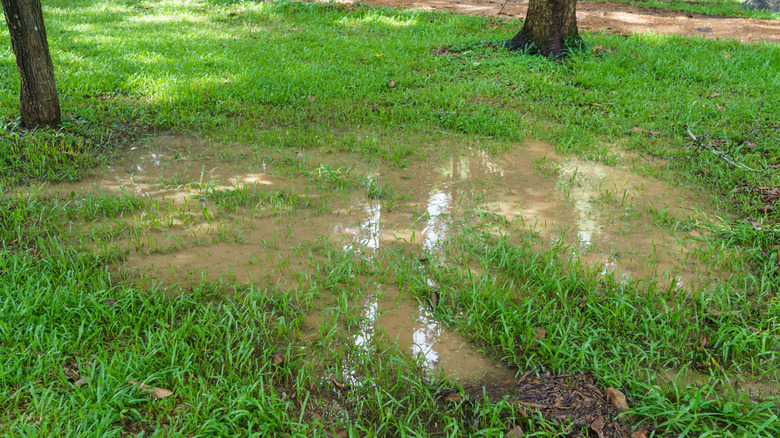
pixel 40 105
pixel 550 29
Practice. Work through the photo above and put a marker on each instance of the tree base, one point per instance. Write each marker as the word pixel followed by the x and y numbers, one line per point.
pixel 550 29
pixel 556 50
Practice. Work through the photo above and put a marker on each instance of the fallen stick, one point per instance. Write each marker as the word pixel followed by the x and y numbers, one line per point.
pixel 502 8
pixel 718 154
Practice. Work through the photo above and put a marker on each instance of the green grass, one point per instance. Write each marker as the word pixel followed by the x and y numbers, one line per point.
pixel 301 86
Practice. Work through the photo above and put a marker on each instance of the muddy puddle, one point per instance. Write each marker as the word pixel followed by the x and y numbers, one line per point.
pixel 387 312
pixel 215 211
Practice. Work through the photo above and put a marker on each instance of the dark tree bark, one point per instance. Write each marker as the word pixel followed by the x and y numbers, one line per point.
pixel 40 105
pixel 550 29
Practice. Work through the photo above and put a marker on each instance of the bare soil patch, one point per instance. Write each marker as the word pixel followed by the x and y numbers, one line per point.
pixel 616 17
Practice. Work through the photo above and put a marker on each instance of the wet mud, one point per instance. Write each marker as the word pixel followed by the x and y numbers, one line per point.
pixel 614 221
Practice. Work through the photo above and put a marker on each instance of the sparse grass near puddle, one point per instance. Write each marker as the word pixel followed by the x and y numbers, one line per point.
pixel 383 86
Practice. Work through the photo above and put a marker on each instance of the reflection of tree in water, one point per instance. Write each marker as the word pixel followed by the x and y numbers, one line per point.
pixel 587 226
pixel 409 323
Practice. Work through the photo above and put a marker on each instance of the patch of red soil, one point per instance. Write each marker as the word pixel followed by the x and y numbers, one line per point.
pixel 615 17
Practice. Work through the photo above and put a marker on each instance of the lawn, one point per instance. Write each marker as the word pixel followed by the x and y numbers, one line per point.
pixel 250 206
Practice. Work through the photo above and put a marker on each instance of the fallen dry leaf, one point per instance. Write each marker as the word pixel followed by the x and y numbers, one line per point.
pixel 583 301
pixel 392 84
pixel 541 333
pixel 638 129
pixel 278 358
pixel 516 432
pixel 340 386
pixel 81 382
pixel 154 392
pixel 597 425
pixel 641 433
pixel 453 398
pixel 598 50
pixel 767 208
pixel 336 433
pixel 617 399
pixel 434 300
pixel 703 341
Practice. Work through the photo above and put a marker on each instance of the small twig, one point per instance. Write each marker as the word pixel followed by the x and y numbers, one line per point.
pixel 758 119
pixel 534 405
pixel 717 153
pixel 522 379
pixel 661 157
pixel 502 8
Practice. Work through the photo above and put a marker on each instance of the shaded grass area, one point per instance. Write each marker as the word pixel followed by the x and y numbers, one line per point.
pixel 290 77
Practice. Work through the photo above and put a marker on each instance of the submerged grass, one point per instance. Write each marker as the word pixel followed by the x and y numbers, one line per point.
pixel 384 86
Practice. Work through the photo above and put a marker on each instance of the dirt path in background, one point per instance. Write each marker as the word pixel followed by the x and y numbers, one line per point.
pixel 616 17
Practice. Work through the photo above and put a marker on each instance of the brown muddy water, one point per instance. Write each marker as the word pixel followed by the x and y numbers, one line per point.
pixel 612 218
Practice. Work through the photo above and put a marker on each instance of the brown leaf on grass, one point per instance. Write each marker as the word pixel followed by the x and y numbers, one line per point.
pixel 641 433
pixel 617 399
pixel 338 385
pixel 453 398
pixel 278 358
pixel 726 312
pixel 638 129
pixel 541 333
pixel 391 84
pixel 756 225
pixel 152 391
pixel 81 382
pixel 516 432
pixel 583 301
pixel 597 425
pixel 703 341
pixel 767 208
pixel 706 172
pixel 336 433
pixel 714 95
pixel 434 300
pixel 598 50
